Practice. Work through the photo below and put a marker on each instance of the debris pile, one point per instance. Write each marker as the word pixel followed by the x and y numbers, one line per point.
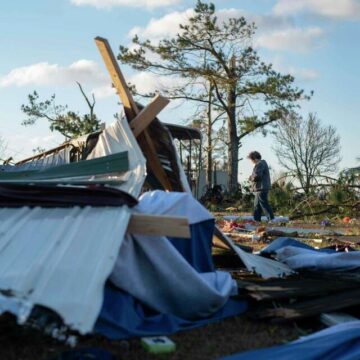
pixel 102 235
pixel 75 217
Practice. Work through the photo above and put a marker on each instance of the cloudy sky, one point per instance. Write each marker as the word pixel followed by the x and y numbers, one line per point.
pixel 48 45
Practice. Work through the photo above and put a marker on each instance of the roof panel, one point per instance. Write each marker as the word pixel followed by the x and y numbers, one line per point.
pixel 60 258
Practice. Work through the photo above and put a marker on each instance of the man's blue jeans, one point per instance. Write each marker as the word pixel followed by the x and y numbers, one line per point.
pixel 261 205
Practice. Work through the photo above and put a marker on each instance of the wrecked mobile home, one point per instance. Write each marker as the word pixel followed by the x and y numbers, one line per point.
pixel 81 204
pixel 103 235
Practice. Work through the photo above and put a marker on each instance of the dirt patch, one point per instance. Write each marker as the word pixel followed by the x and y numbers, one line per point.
pixel 227 337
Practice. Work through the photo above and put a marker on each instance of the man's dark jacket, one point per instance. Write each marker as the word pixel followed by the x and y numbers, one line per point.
pixel 260 177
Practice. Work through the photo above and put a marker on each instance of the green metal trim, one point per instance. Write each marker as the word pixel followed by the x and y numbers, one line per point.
pixel 63 182
pixel 114 163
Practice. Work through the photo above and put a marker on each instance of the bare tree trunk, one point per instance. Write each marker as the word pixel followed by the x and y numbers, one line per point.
pixel 209 142
pixel 233 139
pixel 91 105
pixel 209 157
pixel 233 153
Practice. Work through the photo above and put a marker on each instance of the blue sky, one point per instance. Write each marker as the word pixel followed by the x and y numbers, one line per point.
pixel 48 44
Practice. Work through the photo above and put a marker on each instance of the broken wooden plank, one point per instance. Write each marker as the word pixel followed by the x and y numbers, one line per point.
pixel 154 162
pixel 148 114
pixel 263 267
pixel 312 307
pixel 117 77
pixel 131 110
pixel 216 242
pixel 295 287
pixel 221 241
pixel 348 240
pixel 141 224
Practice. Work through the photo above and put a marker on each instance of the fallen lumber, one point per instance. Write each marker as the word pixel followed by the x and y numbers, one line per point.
pixel 221 241
pixel 312 307
pixel 132 111
pixel 294 288
pixel 155 225
pixel 148 114
pixel 261 266
pixel 349 240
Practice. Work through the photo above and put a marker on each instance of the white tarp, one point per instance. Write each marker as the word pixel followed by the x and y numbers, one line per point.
pixel 118 138
pixel 173 204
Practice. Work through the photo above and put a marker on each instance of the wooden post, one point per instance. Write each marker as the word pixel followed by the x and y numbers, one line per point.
pixel 131 110
pixel 148 114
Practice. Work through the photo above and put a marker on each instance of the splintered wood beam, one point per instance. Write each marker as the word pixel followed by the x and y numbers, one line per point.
pixel 223 242
pixel 154 162
pixel 312 307
pixel 148 114
pixel 131 110
pixel 157 225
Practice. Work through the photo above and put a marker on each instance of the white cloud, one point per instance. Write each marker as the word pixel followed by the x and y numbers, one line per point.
pixel 45 141
pixel 108 4
pixel 42 74
pixel 335 9
pixel 104 91
pixel 21 144
pixel 145 83
pixel 304 74
pixel 168 25
pixel 294 39
pixel 273 32
pixel 148 82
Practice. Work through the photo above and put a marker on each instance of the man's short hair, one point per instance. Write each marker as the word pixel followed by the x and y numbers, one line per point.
pixel 254 155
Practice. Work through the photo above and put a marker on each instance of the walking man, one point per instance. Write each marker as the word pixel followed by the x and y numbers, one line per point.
pixel 261 184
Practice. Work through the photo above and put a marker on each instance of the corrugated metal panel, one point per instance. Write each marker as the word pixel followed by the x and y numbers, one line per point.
pixel 60 258
pixel 58 158
pixel 116 138
pixel 114 163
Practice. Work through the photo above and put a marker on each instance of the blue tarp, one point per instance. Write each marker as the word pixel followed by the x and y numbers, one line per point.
pixel 197 251
pixel 122 316
pixel 299 256
pixel 281 242
pixel 340 342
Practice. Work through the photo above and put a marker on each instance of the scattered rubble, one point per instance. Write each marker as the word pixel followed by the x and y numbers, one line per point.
pixel 89 244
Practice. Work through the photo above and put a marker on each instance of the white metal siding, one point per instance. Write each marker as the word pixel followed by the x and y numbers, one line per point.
pixel 61 258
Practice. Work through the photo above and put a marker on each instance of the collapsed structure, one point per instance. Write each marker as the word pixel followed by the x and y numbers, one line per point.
pixel 103 232
pixel 80 202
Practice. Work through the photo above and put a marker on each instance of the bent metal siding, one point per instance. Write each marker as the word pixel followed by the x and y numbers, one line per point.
pixel 60 258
